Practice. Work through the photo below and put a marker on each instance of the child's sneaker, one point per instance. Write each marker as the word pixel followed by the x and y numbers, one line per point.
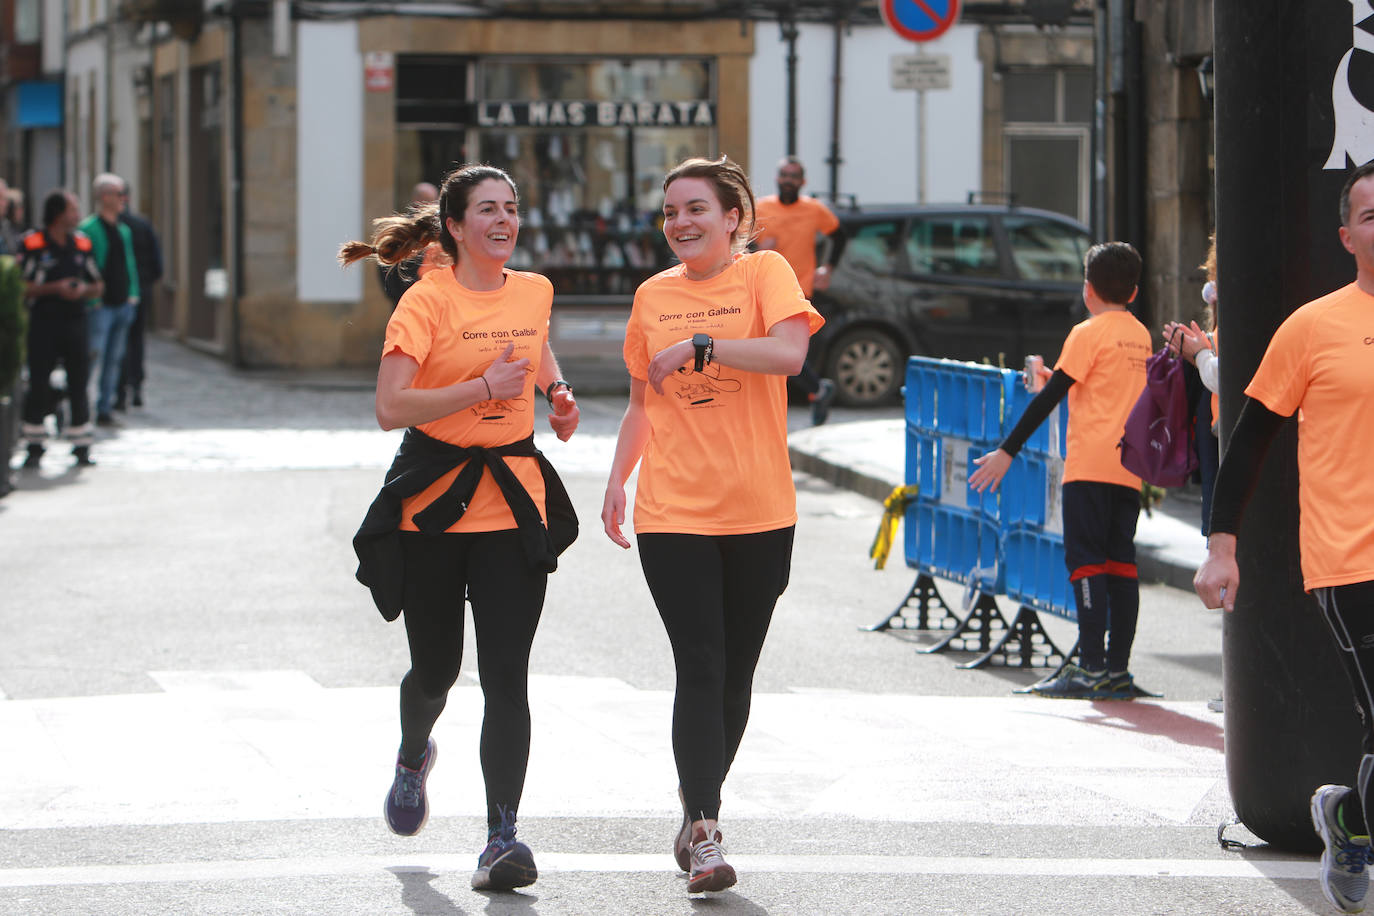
pixel 682 843
pixel 710 871
pixel 1344 877
pixel 407 807
pixel 506 863
pixel 1074 683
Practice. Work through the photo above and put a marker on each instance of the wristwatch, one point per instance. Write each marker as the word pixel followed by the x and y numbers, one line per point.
pixel 703 345
pixel 556 383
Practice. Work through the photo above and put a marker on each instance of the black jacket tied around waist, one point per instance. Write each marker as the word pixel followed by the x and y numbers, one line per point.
pixel 419 462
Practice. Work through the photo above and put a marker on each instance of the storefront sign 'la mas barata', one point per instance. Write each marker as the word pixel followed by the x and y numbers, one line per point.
pixel 595 114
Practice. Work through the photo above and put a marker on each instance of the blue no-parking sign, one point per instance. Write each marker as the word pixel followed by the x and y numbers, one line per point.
pixel 920 20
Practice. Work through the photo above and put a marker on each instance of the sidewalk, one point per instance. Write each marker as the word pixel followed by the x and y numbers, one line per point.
pixel 869 457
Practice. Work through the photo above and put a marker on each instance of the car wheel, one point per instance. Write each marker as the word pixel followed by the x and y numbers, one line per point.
pixel 866 366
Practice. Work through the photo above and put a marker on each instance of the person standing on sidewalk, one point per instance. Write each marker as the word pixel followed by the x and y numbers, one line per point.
pixel 114 311
pixel 1102 371
pixel 60 275
pixel 1317 363
pixel 709 345
pixel 789 224
pixel 465 502
pixel 148 264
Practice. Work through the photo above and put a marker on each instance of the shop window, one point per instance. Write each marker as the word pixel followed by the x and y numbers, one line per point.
pixel 588 143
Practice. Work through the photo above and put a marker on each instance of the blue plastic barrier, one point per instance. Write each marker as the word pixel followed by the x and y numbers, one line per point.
pixel 955 544
pixel 1036 575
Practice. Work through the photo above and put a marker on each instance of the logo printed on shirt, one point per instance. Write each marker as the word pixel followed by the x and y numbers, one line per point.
pixel 699 389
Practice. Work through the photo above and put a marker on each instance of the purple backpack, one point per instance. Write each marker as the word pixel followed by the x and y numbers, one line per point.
pixel 1158 444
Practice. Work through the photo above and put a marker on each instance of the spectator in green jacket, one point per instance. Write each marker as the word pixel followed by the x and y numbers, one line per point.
pixel 113 312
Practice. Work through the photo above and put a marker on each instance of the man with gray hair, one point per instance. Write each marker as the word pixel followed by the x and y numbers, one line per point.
pixel 113 313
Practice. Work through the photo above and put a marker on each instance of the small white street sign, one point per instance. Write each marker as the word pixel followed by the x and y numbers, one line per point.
pixel 920 71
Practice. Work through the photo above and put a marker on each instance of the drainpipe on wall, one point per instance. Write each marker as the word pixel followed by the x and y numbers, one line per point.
pixel 834 159
pixel 789 34
pixel 236 178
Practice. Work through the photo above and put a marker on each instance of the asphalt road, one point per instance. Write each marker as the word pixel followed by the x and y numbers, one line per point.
pixel 199 710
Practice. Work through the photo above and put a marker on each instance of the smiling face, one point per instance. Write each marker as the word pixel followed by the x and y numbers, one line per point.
pixel 1358 234
pixel 490 223
pixel 698 230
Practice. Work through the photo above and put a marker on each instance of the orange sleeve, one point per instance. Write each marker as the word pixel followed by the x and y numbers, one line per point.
pixel 1079 353
pixel 826 220
pixel 636 346
pixel 1281 380
pixel 779 294
pixel 411 328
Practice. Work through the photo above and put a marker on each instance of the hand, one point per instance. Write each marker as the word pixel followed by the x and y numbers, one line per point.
pixel 506 376
pixel 563 420
pixel 821 281
pixel 992 467
pixel 669 360
pixel 613 514
pixel 72 289
pixel 1185 340
pixel 1218 577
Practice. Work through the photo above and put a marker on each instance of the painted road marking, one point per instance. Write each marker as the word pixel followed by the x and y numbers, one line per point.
pixel 310 866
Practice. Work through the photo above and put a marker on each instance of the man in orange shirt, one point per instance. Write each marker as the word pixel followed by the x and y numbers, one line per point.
pixel 1102 370
pixel 789 224
pixel 1318 362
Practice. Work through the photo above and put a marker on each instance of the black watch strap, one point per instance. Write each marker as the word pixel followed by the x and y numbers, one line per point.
pixel 702 344
pixel 548 392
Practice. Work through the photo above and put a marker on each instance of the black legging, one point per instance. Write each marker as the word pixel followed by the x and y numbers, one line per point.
pixel 507 598
pixel 56 337
pixel 716 596
pixel 1349 612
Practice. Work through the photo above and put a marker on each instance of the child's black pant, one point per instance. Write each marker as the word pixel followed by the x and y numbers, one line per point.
pixel 1099 550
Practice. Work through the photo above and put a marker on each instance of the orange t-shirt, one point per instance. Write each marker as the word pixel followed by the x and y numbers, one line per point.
pixel 716 460
pixel 792 229
pixel 455 333
pixel 1321 361
pixel 1105 356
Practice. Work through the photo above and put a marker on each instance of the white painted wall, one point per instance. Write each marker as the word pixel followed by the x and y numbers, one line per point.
pixel 878 123
pixel 86 62
pixel 54 40
pixel 329 159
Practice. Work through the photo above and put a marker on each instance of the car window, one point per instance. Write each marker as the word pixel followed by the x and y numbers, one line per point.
pixel 960 246
pixel 872 247
pixel 1045 250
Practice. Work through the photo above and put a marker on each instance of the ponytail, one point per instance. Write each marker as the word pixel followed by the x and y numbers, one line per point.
pixel 395 238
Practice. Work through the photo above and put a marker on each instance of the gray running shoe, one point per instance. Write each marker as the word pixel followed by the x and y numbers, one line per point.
pixel 710 871
pixel 407 806
pixel 1074 683
pixel 1344 877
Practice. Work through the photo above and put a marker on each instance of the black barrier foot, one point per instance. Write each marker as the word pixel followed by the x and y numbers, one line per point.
pixel 922 594
pixel 1025 644
pixel 976 631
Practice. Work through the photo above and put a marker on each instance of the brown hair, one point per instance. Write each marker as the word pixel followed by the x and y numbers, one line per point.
pixel 732 191
pixel 1113 269
pixel 397 237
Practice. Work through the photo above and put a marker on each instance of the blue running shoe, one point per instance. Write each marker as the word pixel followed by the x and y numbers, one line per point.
pixel 1344 877
pixel 1074 683
pixel 407 807
pixel 506 863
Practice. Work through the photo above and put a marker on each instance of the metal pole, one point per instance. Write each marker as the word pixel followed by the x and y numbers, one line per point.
pixel 834 160
pixel 920 136
pixel 789 35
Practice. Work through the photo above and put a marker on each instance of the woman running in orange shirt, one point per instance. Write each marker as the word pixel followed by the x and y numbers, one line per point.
pixel 464 509
pixel 709 346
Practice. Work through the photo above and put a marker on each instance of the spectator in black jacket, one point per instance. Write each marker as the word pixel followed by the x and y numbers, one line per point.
pixel 148 261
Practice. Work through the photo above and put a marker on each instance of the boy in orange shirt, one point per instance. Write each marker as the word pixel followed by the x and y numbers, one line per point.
pixel 1102 370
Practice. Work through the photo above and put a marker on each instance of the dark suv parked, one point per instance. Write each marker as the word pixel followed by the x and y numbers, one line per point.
pixel 962 282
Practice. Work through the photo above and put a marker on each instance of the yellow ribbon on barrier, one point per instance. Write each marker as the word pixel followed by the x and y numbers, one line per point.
pixel 894 507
